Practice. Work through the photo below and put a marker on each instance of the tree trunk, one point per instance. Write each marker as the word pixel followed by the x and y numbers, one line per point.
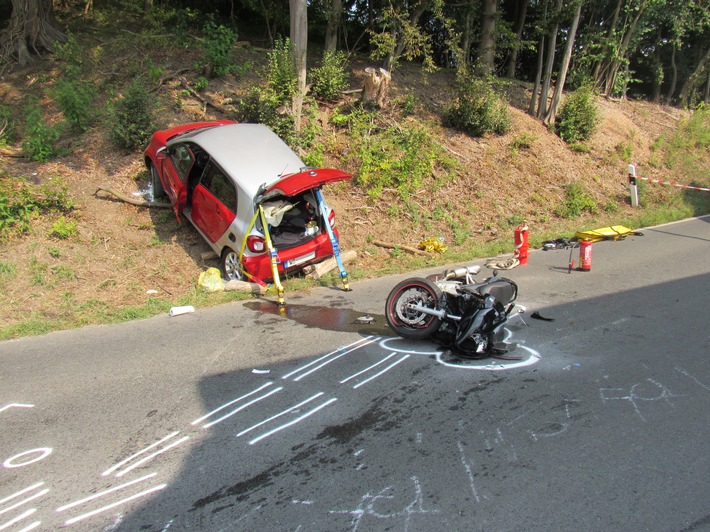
pixel 375 90
pixel 467 39
pixel 550 61
pixel 147 6
pixel 335 11
pixel 398 37
pixel 562 76
pixel 674 77
pixel 532 108
pixel 487 44
pixel 299 40
pixel 522 9
pixel 693 82
pixel 32 30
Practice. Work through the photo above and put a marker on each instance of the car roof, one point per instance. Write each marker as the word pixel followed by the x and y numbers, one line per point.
pixel 251 154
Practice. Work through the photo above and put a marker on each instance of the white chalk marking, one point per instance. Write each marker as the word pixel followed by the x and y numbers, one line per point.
pixel 534 358
pixel 24 501
pixel 405 357
pixel 364 341
pixel 105 492
pixel 385 344
pixel 368 368
pixel 226 405
pixel 17 519
pixel 21 492
pixel 15 405
pixel 242 407
pixel 151 456
pixel 115 504
pixel 120 464
pixel 684 372
pixel 330 358
pixel 291 409
pixel 43 452
pixel 633 397
pixel 469 472
pixel 297 420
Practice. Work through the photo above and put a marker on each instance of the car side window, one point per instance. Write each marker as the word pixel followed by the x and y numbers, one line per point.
pixel 182 159
pixel 220 186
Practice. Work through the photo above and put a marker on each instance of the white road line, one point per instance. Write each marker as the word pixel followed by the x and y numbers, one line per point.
pixel 242 407
pixel 24 501
pixel 17 519
pixel 31 527
pixel 121 463
pixel 367 368
pixel 114 505
pixel 106 492
pixel 16 405
pixel 21 492
pixel 405 357
pixel 342 350
pixel 294 407
pixel 304 416
pixel 201 419
pixel 151 456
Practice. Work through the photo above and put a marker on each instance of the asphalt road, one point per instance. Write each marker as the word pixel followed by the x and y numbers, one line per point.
pixel 246 418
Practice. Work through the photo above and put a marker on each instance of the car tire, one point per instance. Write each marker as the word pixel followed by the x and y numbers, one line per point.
pixel 230 265
pixel 156 185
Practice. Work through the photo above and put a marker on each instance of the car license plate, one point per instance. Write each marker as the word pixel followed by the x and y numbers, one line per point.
pixel 300 260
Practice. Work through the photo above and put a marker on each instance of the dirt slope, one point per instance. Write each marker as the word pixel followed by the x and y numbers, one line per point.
pixel 122 251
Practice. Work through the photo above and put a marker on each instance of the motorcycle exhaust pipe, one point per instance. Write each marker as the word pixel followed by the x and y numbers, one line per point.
pixel 439 313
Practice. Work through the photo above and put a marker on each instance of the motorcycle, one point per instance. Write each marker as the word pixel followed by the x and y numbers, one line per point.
pixel 452 309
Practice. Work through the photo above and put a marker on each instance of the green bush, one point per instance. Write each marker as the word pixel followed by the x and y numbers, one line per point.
pixel 131 120
pixel 577 201
pixel 578 118
pixel 478 109
pixel 330 79
pixel 263 106
pixel 39 137
pixel 281 76
pixel 217 49
pixel 64 229
pixel 73 94
pixel 21 202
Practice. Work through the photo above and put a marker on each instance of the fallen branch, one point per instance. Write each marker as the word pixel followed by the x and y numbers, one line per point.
pixel 6 152
pixel 399 246
pixel 243 286
pixel 134 201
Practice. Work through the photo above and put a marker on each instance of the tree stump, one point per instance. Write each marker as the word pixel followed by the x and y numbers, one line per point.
pixel 376 86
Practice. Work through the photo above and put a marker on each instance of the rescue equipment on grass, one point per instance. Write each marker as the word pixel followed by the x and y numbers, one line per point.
pixel 431 244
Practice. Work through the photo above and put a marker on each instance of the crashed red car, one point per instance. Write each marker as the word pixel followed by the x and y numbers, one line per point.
pixel 216 174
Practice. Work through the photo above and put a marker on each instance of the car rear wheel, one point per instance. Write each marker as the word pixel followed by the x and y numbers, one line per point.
pixel 156 186
pixel 231 266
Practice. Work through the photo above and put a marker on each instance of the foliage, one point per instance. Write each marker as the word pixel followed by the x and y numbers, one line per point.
pixel 7 126
pixel 478 109
pixel 64 229
pixel 391 156
pixel 281 75
pixel 330 79
pixel 39 136
pixel 72 92
pixel 130 117
pixel 264 106
pixel 577 201
pixel 579 117
pixel 21 202
pixel 217 49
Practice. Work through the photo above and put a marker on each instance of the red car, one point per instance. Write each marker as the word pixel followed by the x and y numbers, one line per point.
pixel 216 175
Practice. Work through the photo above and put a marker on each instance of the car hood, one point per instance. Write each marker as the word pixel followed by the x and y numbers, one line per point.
pixel 293 184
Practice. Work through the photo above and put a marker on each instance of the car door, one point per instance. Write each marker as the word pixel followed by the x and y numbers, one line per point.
pixel 176 168
pixel 214 202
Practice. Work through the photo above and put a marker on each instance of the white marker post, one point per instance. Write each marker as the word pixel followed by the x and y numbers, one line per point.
pixel 633 187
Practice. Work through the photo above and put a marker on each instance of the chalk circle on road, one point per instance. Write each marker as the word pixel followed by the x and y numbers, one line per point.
pixel 523 356
pixel 17 460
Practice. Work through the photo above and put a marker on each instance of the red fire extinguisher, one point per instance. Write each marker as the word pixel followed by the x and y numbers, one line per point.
pixel 585 255
pixel 521 244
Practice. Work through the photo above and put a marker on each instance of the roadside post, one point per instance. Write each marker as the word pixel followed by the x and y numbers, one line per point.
pixel 633 186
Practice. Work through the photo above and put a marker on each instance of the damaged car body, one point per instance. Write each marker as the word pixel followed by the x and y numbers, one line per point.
pixel 219 175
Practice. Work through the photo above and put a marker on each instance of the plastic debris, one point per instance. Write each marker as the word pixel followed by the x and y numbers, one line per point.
pixel 178 311
pixel 432 244
pixel 261 371
pixel 211 280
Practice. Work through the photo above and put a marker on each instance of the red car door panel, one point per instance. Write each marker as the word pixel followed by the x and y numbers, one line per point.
pixel 214 203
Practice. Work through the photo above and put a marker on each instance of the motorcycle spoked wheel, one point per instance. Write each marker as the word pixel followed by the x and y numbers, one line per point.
pixel 407 322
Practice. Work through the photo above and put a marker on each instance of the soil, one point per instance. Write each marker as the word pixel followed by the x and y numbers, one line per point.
pixel 122 251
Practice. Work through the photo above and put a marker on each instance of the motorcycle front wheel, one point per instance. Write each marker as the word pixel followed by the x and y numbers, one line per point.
pixel 401 315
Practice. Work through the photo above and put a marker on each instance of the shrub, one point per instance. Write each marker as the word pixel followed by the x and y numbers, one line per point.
pixel 577 201
pixel 73 94
pixel 263 106
pixel 578 117
pixel 281 76
pixel 131 121
pixel 63 229
pixel 39 137
pixel 330 79
pixel 478 109
pixel 21 202
pixel 217 49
